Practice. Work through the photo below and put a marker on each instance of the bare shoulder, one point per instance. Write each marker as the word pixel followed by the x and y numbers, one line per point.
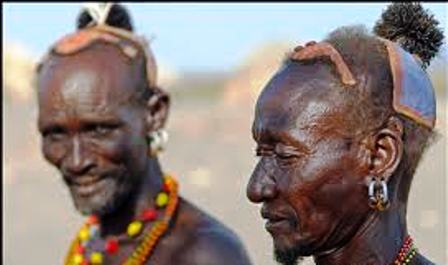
pixel 209 241
pixel 216 246
pixel 422 260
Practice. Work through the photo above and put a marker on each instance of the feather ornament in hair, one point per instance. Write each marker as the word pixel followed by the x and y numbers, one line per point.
pixel 98 11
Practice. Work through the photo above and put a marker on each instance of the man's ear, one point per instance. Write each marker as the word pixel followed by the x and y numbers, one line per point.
pixel 386 149
pixel 157 109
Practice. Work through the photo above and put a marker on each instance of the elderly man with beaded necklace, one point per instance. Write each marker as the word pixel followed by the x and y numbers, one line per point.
pixel 100 116
pixel 340 129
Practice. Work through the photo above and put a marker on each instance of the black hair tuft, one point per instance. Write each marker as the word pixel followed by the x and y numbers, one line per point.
pixel 413 27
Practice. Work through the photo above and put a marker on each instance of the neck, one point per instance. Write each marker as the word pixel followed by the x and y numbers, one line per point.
pixel 140 198
pixel 378 241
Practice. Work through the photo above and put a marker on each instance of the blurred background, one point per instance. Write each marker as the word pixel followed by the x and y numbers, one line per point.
pixel 214 59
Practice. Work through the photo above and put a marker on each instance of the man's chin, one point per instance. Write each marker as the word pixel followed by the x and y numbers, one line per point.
pixel 291 254
pixel 101 203
pixel 287 256
pixel 104 199
pixel 93 205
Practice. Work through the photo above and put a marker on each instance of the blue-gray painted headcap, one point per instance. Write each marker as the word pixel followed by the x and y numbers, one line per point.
pixel 412 38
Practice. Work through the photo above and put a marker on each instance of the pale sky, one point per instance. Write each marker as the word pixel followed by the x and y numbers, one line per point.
pixel 201 36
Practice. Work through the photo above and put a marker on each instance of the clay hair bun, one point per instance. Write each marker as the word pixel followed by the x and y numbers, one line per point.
pixel 413 27
pixel 118 17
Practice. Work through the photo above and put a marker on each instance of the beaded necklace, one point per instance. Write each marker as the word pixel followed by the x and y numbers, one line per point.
pixel 407 252
pixel 167 199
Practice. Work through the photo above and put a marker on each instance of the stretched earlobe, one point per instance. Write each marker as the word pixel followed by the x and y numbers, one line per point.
pixel 383 153
pixel 157 110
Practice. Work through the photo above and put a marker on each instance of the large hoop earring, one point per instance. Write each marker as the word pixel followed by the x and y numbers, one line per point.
pixel 378 194
pixel 156 142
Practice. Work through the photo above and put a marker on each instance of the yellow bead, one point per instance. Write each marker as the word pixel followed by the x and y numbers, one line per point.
pixel 134 228
pixel 77 259
pixel 96 258
pixel 162 199
pixel 84 234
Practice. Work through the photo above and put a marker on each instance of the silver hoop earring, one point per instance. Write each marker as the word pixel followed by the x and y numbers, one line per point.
pixel 378 194
pixel 157 141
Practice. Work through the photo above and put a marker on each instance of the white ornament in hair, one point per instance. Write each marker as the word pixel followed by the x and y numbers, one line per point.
pixel 99 11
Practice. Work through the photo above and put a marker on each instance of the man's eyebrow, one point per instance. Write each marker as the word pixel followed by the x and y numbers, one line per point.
pixel 48 122
pixel 288 140
pixel 267 136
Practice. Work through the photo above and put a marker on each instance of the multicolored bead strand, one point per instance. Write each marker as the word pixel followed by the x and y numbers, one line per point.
pixel 143 251
pixel 167 199
pixel 407 252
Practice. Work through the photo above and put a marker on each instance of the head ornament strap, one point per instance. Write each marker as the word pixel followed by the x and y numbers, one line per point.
pixel 128 42
pixel 413 93
pixel 313 50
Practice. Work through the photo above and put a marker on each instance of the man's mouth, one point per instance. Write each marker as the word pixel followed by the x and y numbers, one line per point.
pixel 275 222
pixel 88 185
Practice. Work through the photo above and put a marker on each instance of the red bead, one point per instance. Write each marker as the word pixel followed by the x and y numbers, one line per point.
pixel 85 262
pixel 149 215
pixel 111 246
pixel 79 249
pixel 165 187
pixel 92 220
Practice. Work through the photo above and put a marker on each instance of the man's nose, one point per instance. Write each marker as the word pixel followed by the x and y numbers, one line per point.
pixel 77 162
pixel 262 185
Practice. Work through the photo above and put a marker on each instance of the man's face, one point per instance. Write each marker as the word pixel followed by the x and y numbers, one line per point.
pixel 309 176
pixel 91 129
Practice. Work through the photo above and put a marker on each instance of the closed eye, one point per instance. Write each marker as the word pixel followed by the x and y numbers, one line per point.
pixel 287 155
pixel 100 129
pixel 54 132
pixel 263 151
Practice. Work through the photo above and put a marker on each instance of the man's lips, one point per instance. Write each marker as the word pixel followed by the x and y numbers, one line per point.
pixel 275 221
pixel 85 186
pixel 84 180
pixel 271 215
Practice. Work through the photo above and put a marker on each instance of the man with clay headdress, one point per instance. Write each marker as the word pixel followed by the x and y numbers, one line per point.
pixel 340 130
pixel 101 117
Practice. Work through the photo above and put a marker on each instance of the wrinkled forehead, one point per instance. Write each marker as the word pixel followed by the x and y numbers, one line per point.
pixel 91 77
pixel 301 97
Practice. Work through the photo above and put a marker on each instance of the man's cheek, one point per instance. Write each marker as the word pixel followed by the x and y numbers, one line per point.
pixel 331 191
pixel 114 150
pixel 53 152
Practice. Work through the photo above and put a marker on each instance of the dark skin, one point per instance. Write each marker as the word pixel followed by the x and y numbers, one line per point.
pixel 315 163
pixel 94 131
